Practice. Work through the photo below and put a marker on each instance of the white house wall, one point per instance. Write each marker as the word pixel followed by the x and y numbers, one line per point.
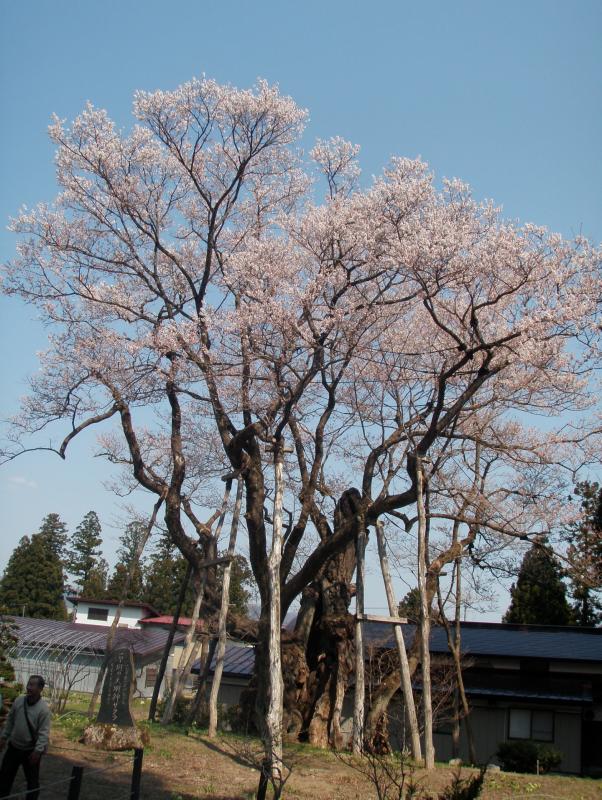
pixel 129 617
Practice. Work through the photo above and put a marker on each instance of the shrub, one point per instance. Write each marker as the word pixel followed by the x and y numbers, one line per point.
pixel 237 720
pixel 180 712
pixel 523 756
pixel 464 788
pixel 549 757
pixel 8 693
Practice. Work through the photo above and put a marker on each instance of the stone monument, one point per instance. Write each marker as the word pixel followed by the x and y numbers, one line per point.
pixel 114 728
pixel 117 690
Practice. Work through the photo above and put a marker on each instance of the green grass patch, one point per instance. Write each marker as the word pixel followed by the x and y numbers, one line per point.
pixel 72 724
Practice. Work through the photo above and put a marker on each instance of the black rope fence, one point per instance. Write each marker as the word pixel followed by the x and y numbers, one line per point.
pixel 113 754
pixel 79 772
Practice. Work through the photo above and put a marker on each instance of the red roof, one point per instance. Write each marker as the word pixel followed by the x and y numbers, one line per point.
pixel 166 621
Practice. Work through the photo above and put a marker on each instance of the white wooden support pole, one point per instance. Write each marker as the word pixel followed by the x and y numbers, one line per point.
pixel 406 680
pixel 223 616
pixel 273 743
pixel 425 621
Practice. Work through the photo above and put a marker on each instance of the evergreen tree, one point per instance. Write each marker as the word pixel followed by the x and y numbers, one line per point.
pixel 95 584
pixel 85 554
pixel 55 531
pixel 409 606
pixel 130 541
pixel 163 577
pixel 8 638
pixel 585 555
pixel 13 588
pixel 167 569
pixel 32 584
pixel 241 584
pixel 539 595
pixel 116 584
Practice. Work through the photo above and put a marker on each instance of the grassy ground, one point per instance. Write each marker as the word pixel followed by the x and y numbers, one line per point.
pixel 181 766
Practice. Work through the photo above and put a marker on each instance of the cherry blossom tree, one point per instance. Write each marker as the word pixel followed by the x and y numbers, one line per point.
pixel 192 277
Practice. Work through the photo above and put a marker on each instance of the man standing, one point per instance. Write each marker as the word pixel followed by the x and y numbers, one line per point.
pixel 26 730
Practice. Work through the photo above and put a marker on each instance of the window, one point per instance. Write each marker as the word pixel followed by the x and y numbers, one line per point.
pixel 520 724
pixel 98 614
pixel 542 726
pixel 150 677
pixel 527 724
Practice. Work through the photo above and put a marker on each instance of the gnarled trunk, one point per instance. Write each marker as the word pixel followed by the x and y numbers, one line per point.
pixel 319 658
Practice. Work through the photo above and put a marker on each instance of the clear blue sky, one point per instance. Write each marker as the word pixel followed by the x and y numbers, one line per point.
pixel 506 96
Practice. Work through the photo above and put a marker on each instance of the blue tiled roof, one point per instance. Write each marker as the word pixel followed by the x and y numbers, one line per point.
pixel 238 661
pixel 489 639
pixel 510 641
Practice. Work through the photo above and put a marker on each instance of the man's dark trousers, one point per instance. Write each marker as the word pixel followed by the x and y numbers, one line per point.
pixel 13 759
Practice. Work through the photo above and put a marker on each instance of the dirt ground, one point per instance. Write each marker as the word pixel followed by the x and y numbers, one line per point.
pixel 177 766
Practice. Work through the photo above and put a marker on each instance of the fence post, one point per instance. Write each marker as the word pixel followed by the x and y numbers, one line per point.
pixel 136 774
pixel 75 784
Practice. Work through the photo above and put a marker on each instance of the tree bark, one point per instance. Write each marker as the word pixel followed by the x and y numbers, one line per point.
pixel 318 656
pixel 324 655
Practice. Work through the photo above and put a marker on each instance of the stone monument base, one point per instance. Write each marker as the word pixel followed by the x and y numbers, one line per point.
pixel 115 737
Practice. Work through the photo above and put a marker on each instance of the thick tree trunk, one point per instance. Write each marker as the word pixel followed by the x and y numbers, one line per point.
pixel 318 656
pixel 329 651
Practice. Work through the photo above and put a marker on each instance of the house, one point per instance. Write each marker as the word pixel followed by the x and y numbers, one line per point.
pixel 91 611
pixel 536 682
